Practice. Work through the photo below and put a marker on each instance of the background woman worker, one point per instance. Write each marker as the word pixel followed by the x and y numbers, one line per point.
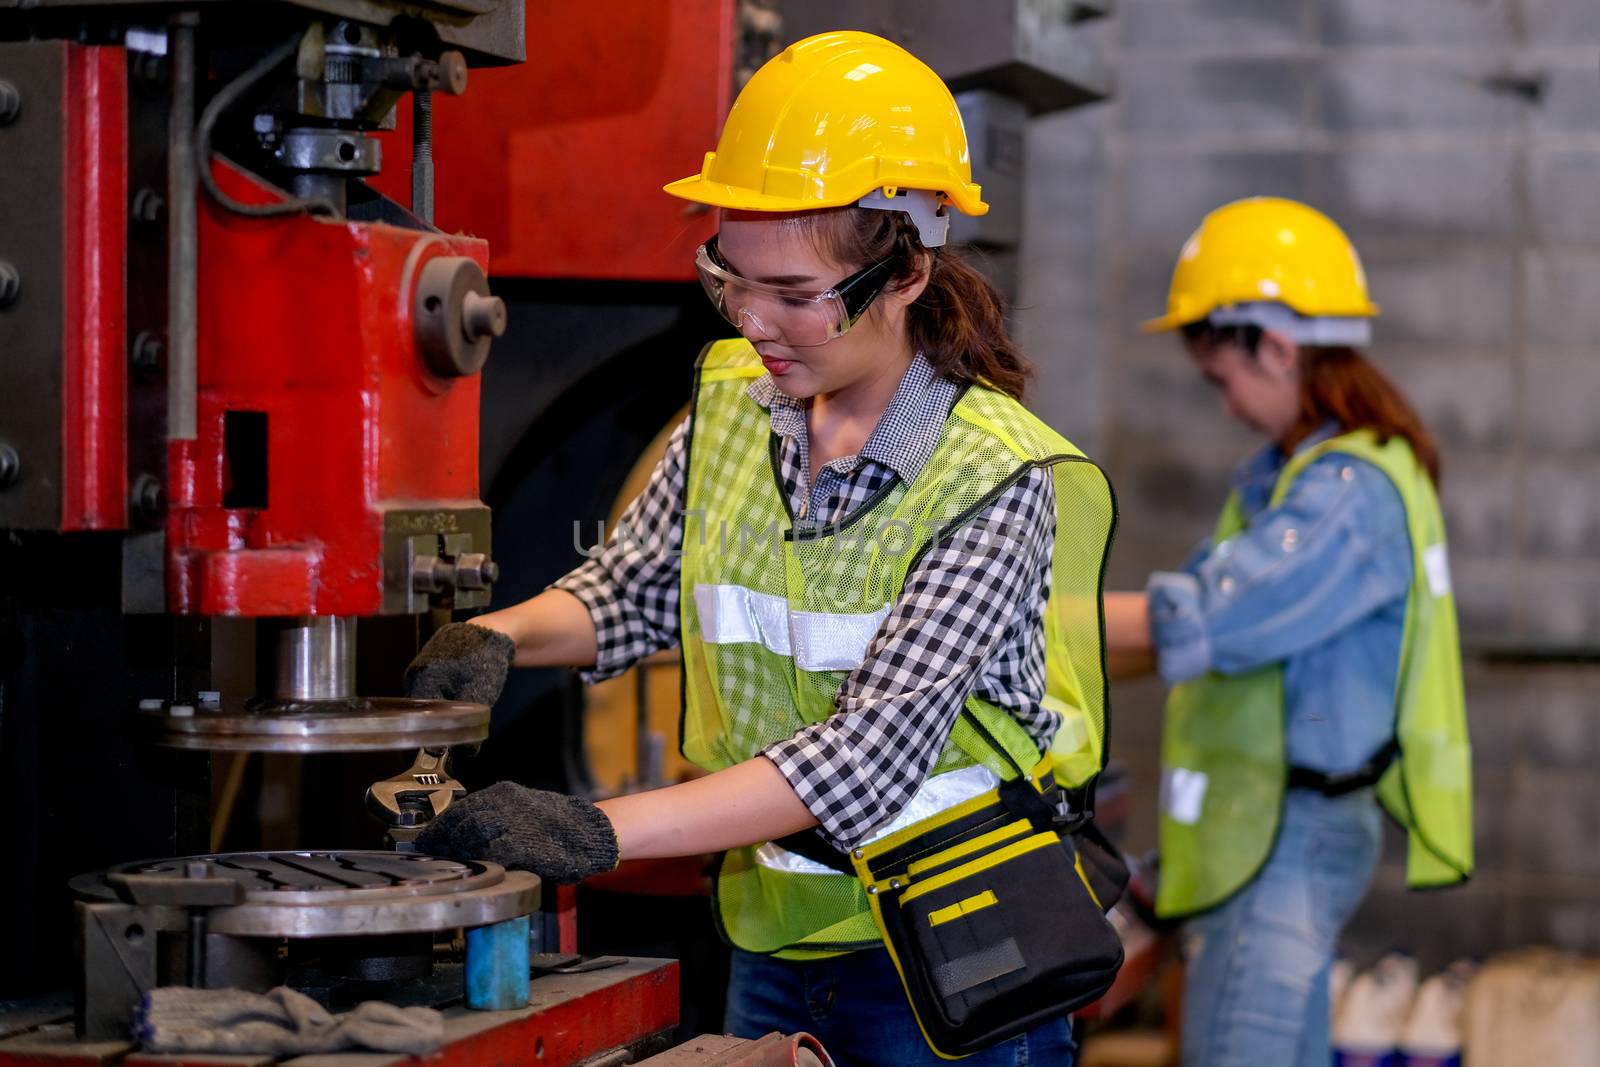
pixel 853 538
pixel 1312 643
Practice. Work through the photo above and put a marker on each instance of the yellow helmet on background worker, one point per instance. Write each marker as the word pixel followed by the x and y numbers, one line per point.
pixel 1273 263
pixel 842 118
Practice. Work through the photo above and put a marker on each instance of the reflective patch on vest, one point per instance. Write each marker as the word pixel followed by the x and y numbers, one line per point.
pixel 1436 565
pixel 818 641
pixel 1183 794
pixel 936 794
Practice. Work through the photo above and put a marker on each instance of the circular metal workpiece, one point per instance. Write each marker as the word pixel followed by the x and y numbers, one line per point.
pixel 359 724
pixel 335 894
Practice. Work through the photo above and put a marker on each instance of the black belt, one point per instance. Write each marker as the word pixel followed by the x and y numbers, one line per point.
pixel 1343 782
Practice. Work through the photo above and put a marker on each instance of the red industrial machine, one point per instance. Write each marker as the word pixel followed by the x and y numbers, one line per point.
pixel 239 412
pixel 246 464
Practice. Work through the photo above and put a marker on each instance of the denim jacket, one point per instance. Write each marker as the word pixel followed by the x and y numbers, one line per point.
pixel 1318 583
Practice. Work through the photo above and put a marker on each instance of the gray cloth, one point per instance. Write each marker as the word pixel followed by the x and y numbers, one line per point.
pixel 282 1022
pixel 558 837
pixel 461 661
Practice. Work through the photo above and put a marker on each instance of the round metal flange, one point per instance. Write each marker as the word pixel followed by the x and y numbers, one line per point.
pixel 359 724
pixel 456 317
pixel 335 151
pixel 333 894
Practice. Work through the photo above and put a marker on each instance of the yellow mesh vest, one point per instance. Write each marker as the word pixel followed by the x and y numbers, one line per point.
pixel 774 619
pixel 1223 739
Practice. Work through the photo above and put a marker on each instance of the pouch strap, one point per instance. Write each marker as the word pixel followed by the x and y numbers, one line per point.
pixel 1050 809
pixel 810 844
pixel 1338 785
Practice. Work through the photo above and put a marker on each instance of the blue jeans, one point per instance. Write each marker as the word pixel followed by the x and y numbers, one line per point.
pixel 856 1007
pixel 1256 988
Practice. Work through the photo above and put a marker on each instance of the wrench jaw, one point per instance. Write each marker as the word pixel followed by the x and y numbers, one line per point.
pixel 410 800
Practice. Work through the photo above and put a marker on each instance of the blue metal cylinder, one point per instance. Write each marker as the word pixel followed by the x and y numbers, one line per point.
pixel 497 966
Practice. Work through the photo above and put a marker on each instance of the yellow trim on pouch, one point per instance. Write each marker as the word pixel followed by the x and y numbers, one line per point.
pixel 955 852
pixel 983 863
pixel 977 902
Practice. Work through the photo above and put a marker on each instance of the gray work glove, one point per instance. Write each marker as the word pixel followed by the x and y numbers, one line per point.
pixel 558 837
pixel 461 662
pixel 280 1023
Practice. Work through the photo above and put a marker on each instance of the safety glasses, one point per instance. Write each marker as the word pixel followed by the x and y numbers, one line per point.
pixel 790 315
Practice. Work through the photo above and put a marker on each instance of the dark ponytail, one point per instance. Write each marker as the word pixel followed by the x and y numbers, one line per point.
pixel 959 320
pixel 1343 385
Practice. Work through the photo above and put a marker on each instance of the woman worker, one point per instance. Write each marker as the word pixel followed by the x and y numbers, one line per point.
pixel 1311 642
pixel 854 539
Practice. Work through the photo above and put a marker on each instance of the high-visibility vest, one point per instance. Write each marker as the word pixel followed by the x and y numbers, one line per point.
pixel 1225 767
pixel 775 617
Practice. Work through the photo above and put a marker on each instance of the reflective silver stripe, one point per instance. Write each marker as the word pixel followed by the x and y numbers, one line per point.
pixel 818 641
pixel 936 794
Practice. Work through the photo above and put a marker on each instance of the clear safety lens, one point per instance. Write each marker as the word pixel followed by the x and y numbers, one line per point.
pixel 798 318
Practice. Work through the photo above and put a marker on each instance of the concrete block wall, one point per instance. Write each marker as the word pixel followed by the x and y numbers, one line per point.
pixel 1458 142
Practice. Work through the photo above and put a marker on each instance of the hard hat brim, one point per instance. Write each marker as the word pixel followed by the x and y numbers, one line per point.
pixel 719 194
pixel 1167 323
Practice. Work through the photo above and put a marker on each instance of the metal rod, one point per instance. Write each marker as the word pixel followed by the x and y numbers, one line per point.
pixel 182 245
pixel 422 155
pixel 197 949
pixel 334 189
pixel 317 658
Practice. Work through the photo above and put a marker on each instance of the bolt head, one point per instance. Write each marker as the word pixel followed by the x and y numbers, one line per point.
pixel 148 206
pixel 11 102
pixel 10 284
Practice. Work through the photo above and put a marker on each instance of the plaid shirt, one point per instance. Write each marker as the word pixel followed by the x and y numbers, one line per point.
pixel 968 620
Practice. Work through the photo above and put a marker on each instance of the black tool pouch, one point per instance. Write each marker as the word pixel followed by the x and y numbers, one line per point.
pixel 991 914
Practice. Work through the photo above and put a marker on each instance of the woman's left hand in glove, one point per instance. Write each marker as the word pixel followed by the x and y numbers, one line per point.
pixel 558 837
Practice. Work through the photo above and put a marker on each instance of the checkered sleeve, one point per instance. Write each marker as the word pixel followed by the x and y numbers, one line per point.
pixel 966 604
pixel 630 584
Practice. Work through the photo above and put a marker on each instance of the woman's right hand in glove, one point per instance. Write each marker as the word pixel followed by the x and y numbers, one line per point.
pixel 560 838
pixel 461 661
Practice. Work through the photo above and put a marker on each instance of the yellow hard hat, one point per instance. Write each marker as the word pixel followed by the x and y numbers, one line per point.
pixel 1266 250
pixel 833 119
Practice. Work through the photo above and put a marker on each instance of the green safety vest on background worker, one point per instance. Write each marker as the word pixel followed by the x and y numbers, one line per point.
pixel 1224 764
pixel 774 619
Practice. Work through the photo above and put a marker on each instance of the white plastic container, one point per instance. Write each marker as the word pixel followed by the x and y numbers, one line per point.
pixel 1431 1036
pixel 1372 1012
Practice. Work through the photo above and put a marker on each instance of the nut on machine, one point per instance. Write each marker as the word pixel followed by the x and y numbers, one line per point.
pixel 256 380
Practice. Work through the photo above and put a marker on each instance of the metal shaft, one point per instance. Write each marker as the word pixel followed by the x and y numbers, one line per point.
pixel 422 155
pixel 196 969
pixel 182 244
pixel 317 658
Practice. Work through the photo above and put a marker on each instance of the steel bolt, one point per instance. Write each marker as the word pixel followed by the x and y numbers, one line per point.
pixel 148 205
pixel 10 284
pixel 430 574
pixel 10 103
pixel 474 570
pixel 10 466
pixel 149 499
